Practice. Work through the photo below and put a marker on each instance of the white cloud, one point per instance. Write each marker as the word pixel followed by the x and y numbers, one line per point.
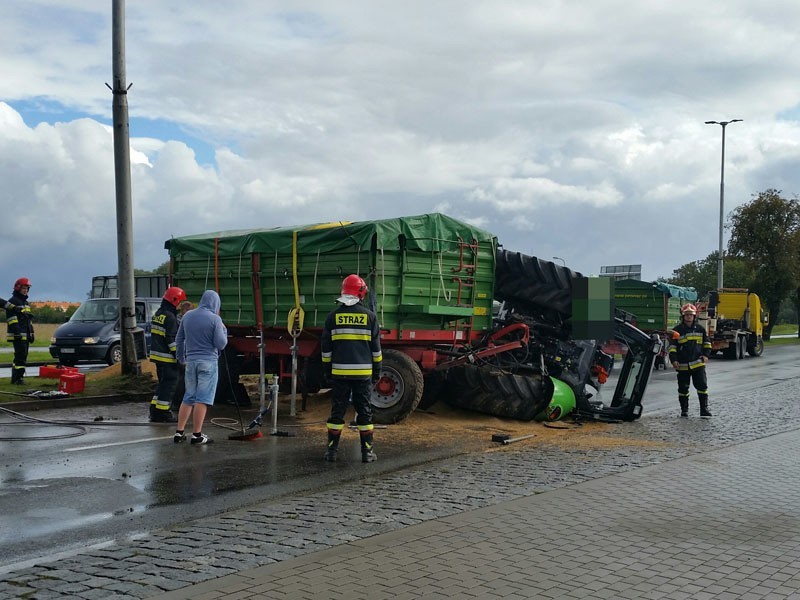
pixel 566 128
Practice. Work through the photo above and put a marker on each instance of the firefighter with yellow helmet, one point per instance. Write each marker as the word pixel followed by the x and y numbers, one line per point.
pixel 689 353
pixel 351 356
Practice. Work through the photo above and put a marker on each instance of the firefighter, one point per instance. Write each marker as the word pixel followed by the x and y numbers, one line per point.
pixel 20 328
pixel 163 329
pixel 351 356
pixel 689 353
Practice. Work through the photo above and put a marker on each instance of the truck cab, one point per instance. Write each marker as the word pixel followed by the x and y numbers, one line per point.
pixel 734 320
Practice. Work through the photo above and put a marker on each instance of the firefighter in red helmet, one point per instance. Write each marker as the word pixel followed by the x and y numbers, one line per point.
pixel 688 353
pixel 20 328
pixel 351 356
pixel 163 329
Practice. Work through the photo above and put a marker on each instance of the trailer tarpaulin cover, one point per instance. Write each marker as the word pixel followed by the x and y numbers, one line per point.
pixel 422 232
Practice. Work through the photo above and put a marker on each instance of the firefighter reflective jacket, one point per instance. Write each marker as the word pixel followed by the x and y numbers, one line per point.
pixel 689 347
pixel 163 329
pixel 351 343
pixel 19 318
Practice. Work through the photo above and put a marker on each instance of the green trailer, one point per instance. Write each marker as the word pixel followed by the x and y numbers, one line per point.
pixel 430 278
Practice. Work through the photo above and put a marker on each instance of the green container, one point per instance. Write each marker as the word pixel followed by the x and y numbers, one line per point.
pixel 562 403
pixel 656 305
pixel 426 272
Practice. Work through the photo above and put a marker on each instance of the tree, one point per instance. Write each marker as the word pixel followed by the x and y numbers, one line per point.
pixel 162 269
pixel 702 274
pixel 766 234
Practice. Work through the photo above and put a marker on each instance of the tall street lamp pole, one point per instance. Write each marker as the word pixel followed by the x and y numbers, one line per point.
pixel 722 124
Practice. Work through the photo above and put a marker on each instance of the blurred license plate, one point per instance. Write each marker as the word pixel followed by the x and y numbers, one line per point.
pixel 68 351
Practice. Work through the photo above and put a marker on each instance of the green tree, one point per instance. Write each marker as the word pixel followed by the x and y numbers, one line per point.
pixel 702 274
pixel 766 233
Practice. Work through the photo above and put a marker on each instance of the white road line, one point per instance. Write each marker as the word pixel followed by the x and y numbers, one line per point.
pixel 116 444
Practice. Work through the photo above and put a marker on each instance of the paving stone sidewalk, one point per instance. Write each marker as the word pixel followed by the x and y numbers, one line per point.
pixel 528 494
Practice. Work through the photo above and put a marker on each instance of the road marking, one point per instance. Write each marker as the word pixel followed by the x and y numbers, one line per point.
pixel 95 446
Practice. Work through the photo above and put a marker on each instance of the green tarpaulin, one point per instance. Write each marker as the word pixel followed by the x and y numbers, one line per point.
pixel 432 232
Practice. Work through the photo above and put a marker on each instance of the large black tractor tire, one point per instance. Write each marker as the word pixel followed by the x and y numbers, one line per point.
pixel 433 390
pixel 399 390
pixel 757 348
pixel 531 283
pixel 489 390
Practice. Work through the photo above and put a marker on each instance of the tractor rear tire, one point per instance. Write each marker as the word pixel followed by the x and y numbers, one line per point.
pixel 489 390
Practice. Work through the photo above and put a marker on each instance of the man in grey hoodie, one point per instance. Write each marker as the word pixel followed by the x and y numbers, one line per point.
pixel 201 337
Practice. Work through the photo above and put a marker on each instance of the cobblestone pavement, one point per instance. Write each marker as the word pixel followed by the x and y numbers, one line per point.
pixel 644 526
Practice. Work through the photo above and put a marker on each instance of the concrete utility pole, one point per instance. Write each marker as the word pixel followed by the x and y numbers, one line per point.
pixel 131 335
pixel 723 124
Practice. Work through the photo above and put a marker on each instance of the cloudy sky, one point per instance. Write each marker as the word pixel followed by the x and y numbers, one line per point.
pixel 568 128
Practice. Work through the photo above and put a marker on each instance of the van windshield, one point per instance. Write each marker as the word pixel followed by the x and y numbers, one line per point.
pixel 97 310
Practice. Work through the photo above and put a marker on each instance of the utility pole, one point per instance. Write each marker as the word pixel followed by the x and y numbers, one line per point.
pixel 723 124
pixel 131 335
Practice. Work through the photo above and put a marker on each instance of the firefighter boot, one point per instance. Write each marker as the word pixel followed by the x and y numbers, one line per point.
pixel 161 416
pixel 333 445
pixel 704 412
pixel 367 453
pixel 684 406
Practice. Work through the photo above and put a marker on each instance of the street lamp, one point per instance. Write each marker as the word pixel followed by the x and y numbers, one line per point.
pixel 722 124
pixel 563 262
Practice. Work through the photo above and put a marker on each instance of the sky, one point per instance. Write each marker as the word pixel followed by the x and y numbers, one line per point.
pixel 569 129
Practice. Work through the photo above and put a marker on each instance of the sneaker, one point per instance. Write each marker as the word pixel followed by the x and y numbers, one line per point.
pixel 201 439
pixel 179 437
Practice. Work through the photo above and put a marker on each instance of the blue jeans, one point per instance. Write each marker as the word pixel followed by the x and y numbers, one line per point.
pixel 201 382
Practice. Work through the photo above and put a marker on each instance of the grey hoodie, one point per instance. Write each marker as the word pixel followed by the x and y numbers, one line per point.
pixel 201 335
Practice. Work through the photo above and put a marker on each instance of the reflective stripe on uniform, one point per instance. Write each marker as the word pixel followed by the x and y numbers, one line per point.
pixel 162 357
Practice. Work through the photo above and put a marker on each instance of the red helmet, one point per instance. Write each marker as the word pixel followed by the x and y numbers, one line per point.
pixel 174 295
pixel 353 285
pixel 688 309
pixel 20 282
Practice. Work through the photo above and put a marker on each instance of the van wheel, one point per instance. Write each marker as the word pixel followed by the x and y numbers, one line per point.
pixel 114 355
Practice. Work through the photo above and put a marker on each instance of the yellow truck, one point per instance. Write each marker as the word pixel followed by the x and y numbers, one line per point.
pixel 734 320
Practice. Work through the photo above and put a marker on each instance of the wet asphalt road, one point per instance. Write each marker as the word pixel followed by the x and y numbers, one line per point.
pixel 120 477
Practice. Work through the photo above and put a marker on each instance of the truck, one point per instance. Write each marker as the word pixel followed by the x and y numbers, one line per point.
pixel 655 306
pixel 734 320
pixel 462 319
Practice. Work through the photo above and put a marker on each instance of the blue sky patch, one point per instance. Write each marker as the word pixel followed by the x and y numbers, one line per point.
pixel 42 110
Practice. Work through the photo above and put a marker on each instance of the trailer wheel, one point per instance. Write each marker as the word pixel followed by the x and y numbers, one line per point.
pixel 756 349
pixel 399 390
pixel 495 392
